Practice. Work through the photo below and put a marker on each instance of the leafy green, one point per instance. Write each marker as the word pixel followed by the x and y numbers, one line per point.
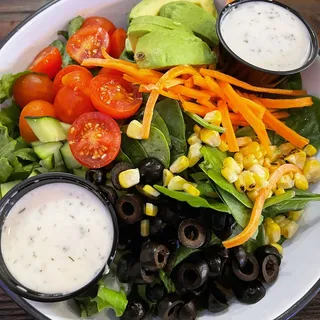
pixel 9 117
pixel 64 34
pixel 133 149
pixel 277 199
pixel 122 157
pixel 59 45
pixel 161 125
pixel 26 154
pixel 205 123
pixel 168 283
pixel 284 207
pixel 207 190
pixel 246 132
pixel 5 169
pixel 182 253
pixel 193 201
pixel 74 25
pixel 293 82
pixel 67 60
pixel 199 177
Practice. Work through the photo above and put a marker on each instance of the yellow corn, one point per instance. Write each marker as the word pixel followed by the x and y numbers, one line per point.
pixel 298 158
pixel 279 218
pixel 260 171
pixel 249 181
pixel 274 153
pixel 266 238
pixel 230 162
pixel 249 161
pixel 270 194
pixel 144 228
pixel 268 221
pixel 151 191
pixel 290 229
pixel 311 170
pixel 260 181
pixel 196 129
pixel 194 154
pixel 229 174
pixel 263 150
pixel 279 191
pixel 243 141
pixel 214 117
pixel 266 163
pixel 259 155
pixel 278 247
pixel 240 184
pixel 129 178
pixel 261 161
pixel 223 146
pixel 176 183
pixel 286 148
pixel 150 210
pixel 167 175
pixel 310 150
pixel 301 182
pixel 181 164
pixel 295 215
pixel 189 188
pixel 273 231
pixel 283 223
pixel 134 130
pixel 285 182
pixel 210 137
pixel 252 147
pixel 274 167
pixel 194 138
pixel 252 195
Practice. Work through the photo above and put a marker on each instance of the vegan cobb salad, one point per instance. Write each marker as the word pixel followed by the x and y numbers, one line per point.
pixel 208 175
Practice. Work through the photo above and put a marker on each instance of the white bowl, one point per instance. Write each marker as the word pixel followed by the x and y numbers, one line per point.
pixel 299 278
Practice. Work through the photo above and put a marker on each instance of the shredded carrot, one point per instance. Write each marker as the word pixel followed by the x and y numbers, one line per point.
pixel 284 131
pixel 189 83
pixel 207 104
pixel 108 57
pixel 214 86
pixel 254 222
pixel 227 124
pixel 286 103
pixel 132 79
pixel 199 81
pixel 231 80
pixel 194 108
pixel 189 92
pixel 281 114
pixel 173 82
pixel 255 107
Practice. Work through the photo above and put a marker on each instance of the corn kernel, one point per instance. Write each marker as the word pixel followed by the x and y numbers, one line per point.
pixel 240 184
pixel 279 218
pixel 278 247
pixel 295 215
pixel 310 150
pixel 260 171
pixel 214 117
pixel 279 192
pixel 286 148
pixel 261 161
pixel 167 175
pixel 298 158
pixel 194 138
pixel 181 164
pixel 252 195
pixel 249 181
pixel 229 174
pixel 274 153
pixel 269 194
pixel 238 157
pixel 150 210
pixel 134 130
pixel 243 141
pixel 129 178
pixel 230 162
pixel 263 150
pixel 260 182
pixel 144 228
pixel 273 231
pixel 210 137
pixel 311 170
pixel 151 191
pixel 283 223
pixel 190 189
pixel 274 167
pixel 268 221
pixel 259 155
pixel 266 163
pixel 249 161
pixel 285 182
pixel 223 146
pixel 301 182
pixel 194 154
pixel 176 183
pixel 196 129
pixel 252 147
pixel 290 229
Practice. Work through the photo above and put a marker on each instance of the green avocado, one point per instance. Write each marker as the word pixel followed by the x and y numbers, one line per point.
pixel 198 20
pixel 152 7
pixel 164 48
pixel 145 24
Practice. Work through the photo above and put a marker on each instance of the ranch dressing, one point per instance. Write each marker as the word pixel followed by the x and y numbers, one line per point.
pixel 266 35
pixel 57 238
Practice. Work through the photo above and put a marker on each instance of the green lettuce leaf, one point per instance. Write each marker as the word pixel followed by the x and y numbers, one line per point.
pixel 5 170
pixel 168 283
pixel 9 117
pixel 6 84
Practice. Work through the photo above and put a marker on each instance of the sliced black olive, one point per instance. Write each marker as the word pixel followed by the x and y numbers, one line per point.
pixel 251 270
pixel 224 233
pixel 136 309
pixel 154 256
pixel 219 220
pixel 151 170
pixel 192 275
pixel 96 176
pixel 129 208
pixel 155 293
pixel 110 193
pixel 214 262
pixel 156 226
pixel 192 234
pixel 266 250
pixel 123 267
pixel 217 301
pixel 188 311
pixel 116 170
pixel 249 292
pixel 270 268
pixel 168 308
pixel 168 237
pixel 240 256
pixel 220 250
pixel 138 275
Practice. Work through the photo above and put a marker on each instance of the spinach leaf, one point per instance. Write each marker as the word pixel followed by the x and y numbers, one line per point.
pixel 161 125
pixel 64 34
pixel 277 199
pixel 246 132
pixel 122 157
pixel 181 254
pixel 284 207
pixel 59 45
pixel 168 283
pixel 133 149
pixel 207 190
pixel 205 123
pixel 306 195
pixel 197 202
pixel 5 169
pixel 199 177
pixel 293 82
pixel 74 25
pixel 67 60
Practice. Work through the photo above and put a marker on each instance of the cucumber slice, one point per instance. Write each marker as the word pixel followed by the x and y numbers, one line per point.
pixel 68 158
pixel 38 171
pixel 65 126
pixel 6 187
pixel 79 173
pixel 58 163
pixel 36 143
pixel 47 129
pixel 45 150
pixel 48 162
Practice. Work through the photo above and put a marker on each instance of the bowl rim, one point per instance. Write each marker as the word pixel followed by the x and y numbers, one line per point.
pixel 298 306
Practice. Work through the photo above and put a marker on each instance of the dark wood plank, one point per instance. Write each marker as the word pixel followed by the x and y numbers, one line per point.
pixel 13 12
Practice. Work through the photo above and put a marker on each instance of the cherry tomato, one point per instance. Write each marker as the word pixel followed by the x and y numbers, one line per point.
pixel 78 80
pixel 114 96
pixel 48 61
pixel 117 43
pixel 94 139
pixel 32 87
pixel 36 108
pixel 57 83
pixel 87 43
pixel 111 72
pixel 71 103
pixel 100 22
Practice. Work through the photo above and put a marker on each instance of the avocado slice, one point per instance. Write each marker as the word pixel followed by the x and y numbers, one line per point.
pixel 152 7
pixel 145 24
pixel 200 22
pixel 164 48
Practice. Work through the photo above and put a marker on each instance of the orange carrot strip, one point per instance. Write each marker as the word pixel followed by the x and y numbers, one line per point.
pixel 189 83
pixel 255 107
pixel 171 95
pixel 281 115
pixel 189 92
pixel 231 80
pixel 173 82
pixel 106 55
pixel 227 124
pixel 207 104
pixel 194 108
pixel 214 87
pixel 241 123
pixel 254 221
pixel 286 103
pixel 199 81
pixel 132 79
pixel 284 131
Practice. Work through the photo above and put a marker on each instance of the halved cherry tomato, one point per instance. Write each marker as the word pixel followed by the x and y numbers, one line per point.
pixel 100 22
pixel 117 43
pixel 87 43
pixel 36 108
pixel 57 83
pixel 94 139
pixel 111 72
pixel 78 80
pixel 114 96
pixel 48 61
pixel 71 103
pixel 32 87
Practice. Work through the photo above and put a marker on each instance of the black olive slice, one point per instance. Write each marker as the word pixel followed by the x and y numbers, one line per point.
pixel 192 234
pixel 110 193
pixel 251 270
pixel 270 268
pixel 151 170
pixel 154 256
pixel 96 176
pixel 129 208
pixel 249 292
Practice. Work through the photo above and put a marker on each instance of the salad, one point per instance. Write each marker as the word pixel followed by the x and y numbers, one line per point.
pixel 208 175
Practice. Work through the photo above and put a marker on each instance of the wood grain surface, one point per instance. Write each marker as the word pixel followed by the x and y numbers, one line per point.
pixel 12 12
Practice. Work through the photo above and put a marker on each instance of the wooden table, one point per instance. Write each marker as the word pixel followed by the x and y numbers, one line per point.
pixel 12 12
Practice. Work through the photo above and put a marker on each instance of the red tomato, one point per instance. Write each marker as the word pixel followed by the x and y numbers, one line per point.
pixel 36 108
pixel 32 87
pixel 114 96
pixel 78 80
pixel 71 103
pixel 48 61
pixel 100 22
pixel 87 43
pixel 94 139
pixel 117 43
pixel 57 83
pixel 111 72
